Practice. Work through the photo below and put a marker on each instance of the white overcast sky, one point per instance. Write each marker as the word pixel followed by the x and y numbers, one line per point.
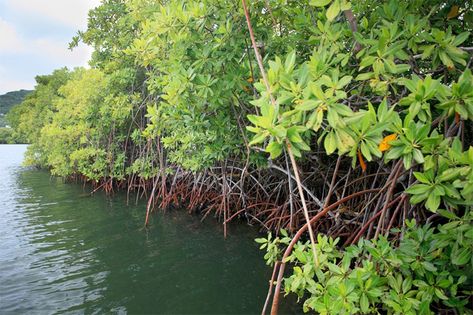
pixel 34 37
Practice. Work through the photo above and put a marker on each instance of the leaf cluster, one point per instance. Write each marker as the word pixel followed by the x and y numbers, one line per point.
pixel 428 270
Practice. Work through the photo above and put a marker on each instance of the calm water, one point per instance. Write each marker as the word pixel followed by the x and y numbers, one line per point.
pixel 62 251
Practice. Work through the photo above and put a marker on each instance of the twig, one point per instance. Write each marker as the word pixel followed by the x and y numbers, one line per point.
pixel 397 170
pixel 270 290
pixel 288 145
pixel 295 239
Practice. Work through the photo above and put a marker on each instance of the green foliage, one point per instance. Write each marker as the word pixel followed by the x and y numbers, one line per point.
pixel 449 179
pixel 174 86
pixel 7 101
pixel 6 136
pixel 28 118
pixel 348 104
pixel 428 268
pixel 191 66
pixel 78 139
pixel 110 30
pixel 194 54
pixel 461 97
pixel 384 91
pixel 272 246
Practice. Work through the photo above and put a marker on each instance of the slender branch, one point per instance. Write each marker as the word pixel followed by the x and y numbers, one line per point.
pixel 270 290
pixel 291 204
pixel 304 204
pixel 332 184
pixel 397 170
pixel 288 145
pixel 308 192
pixel 354 27
pixel 259 59
pixel 297 236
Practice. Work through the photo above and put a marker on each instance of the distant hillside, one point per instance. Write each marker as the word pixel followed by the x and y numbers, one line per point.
pixel 8 100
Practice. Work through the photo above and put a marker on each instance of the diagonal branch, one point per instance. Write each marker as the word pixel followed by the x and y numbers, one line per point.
pixel 354 27
pixel 288 145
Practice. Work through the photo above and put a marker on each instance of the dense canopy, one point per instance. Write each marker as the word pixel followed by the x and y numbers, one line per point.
pixel 373 99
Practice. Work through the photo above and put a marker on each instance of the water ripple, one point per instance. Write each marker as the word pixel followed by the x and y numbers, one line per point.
pixel 64 252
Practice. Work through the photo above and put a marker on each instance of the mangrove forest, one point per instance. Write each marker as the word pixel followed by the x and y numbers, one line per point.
pixel 342 130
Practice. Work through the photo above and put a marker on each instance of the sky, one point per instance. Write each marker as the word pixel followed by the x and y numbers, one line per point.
pixel 34 38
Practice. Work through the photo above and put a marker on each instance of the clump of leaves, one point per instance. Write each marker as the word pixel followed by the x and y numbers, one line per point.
pixel 429 269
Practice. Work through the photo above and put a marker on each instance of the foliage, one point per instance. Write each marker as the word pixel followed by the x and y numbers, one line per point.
pixel 6 136
pixel 8 100
pixel 391 90
pixel 394 87
pixel 28 118
pixel 427 271
pixel 174 101
pixel 194 51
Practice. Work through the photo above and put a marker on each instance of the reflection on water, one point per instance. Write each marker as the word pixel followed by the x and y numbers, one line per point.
pixel 62 251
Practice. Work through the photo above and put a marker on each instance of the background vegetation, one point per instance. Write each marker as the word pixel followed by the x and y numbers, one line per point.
pixel 10 99
pixel 357 118
pixel 7 101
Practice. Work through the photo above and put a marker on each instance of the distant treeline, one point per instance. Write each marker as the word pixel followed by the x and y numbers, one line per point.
pixel 10 99
pixel 7 101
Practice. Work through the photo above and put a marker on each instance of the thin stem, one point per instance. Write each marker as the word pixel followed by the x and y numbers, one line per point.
pixel 297 236
pixel 289 150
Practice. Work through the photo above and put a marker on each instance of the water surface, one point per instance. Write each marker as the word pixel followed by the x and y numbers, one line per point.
pixel 63 251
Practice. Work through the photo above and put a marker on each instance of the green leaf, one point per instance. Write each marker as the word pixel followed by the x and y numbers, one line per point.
pixel 367 61
pixel 415 199
pixel 418 189
pixel 447 214
pixel 319 3
pixel 460 256
pixel 418 157
pixel 427 51
pixel 274 149
pixel 406 285
pixel 335 269
pixel 343 110
pixel 433 202
pixel 290 61
pixel 439 293
pixel 365 151
pixel 344 81
pixel 330 143
pixel 394 153
pixel 278 131
pixel 333 10
pixel 307 105
pixel 253 129
pixel 261 240
pixel 421 177
pixel 448 174
pixel 429 266
pixel 318 120
pixel 300 256
pixel 364 76
pixel 439 190
pixel 253 119
pixel 460 38
pixel 364 303
pixel 293 135
pixel 259 138
pixel 295 150
pixel 301 145
pixel 445 59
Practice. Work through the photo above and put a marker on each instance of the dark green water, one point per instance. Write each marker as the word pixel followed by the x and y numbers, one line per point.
pixel 65 252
